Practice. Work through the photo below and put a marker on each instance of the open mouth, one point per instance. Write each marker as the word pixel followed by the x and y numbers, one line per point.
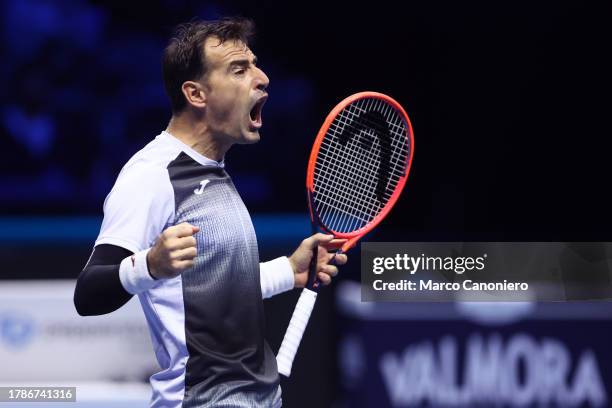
pixel 255 113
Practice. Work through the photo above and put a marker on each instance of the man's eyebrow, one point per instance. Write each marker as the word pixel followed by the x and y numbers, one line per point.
pixel 243 62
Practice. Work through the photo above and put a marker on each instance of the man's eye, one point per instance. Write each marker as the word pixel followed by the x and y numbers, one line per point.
pixel 240 71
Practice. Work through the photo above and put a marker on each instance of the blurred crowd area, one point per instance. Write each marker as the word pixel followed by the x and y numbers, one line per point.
pixel 81 90
pixel 71 99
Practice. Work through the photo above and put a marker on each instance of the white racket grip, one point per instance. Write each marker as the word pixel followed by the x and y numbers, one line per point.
pixel 295 331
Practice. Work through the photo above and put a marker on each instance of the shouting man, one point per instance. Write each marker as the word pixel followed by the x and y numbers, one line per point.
pixel 177 234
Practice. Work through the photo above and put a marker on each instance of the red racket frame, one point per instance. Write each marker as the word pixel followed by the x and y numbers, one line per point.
pixel 354 236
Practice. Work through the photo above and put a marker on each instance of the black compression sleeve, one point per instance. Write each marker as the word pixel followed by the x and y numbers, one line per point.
pixel 98 289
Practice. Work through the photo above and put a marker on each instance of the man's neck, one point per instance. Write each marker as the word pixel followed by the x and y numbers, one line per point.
pixel 195 134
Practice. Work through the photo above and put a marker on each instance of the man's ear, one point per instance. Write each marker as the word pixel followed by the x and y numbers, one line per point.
pixel 194 94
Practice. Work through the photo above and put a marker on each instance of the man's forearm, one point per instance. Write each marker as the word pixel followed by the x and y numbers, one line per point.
pixel 99 289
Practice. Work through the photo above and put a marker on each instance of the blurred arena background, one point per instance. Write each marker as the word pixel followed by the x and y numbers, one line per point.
pixel 510 106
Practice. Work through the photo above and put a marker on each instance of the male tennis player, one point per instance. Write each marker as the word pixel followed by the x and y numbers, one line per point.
pixel 177 234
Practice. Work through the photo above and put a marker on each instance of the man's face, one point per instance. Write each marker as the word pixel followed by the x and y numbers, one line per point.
pixel 235 91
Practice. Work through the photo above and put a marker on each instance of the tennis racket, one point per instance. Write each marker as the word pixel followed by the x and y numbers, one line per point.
pixel 358 167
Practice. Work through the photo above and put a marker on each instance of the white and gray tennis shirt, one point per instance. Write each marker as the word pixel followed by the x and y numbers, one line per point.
pixel 207 324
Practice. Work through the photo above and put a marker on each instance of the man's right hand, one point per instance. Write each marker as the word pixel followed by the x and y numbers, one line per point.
pixel 173 251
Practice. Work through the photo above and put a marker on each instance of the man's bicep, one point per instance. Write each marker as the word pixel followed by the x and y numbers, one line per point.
pixel 138 208
pixel 108 255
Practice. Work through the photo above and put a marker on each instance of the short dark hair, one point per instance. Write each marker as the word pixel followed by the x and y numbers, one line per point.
pixel 184 58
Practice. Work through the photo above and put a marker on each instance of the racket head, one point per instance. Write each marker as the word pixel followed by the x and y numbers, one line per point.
pixel 352 113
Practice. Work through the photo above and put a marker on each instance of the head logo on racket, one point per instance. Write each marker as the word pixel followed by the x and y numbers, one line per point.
pixel 367 126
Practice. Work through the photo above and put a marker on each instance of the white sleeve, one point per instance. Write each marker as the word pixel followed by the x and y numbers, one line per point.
pixel 276 276
pixel 138 207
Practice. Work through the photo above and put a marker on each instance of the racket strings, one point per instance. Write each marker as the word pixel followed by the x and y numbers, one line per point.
pixel 361 160
pixel 346 206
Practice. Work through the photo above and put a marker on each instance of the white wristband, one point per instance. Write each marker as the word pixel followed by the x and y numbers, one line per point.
pixel 276 276
pixel 134 274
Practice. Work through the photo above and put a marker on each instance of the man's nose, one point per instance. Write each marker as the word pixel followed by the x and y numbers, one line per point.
pixel 262 80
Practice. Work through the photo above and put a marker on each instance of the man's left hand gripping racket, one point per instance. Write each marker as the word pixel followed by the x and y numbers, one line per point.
pixel 358 167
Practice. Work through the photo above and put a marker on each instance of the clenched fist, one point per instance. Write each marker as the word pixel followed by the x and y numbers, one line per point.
pixel 173 251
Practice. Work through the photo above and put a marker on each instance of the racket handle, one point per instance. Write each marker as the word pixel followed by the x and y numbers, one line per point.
pixel 295 331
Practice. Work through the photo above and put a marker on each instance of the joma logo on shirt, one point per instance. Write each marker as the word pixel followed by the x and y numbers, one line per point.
pixel 200 190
